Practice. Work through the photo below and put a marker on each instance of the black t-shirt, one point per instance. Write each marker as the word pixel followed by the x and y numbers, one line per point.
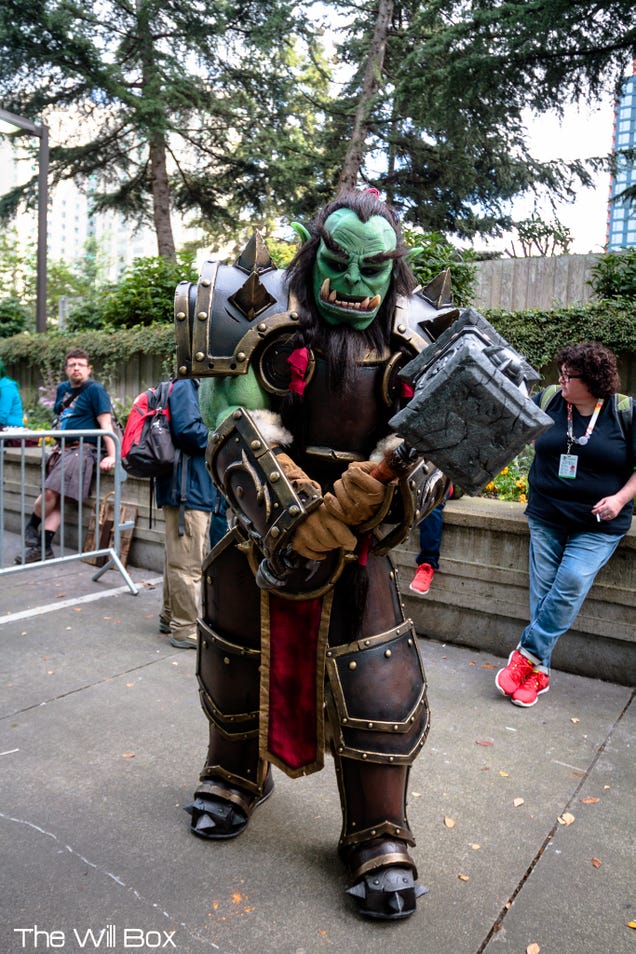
pixel 604 465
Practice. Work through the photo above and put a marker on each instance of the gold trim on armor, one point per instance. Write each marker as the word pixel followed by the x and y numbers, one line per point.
pixel 385 828
pixel 383 861
pixel 209 787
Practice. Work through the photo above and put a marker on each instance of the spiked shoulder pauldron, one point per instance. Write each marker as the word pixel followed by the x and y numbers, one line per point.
pixel 236 315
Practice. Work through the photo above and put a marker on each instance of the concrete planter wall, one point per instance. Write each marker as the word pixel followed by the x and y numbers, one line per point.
pixel 479 597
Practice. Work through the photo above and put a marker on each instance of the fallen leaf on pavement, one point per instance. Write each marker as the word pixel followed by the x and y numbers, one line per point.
pixel 128 755
pixel 463 877
pixel 631 924
pixel 483 742
pixel 488 666
pixel 475 847
pixel 518 801
pixel 449 822
pixel 597 862
pixel 575 721
pixel 565 819
pixel 504 774
pixel 533 949
pixel 590 801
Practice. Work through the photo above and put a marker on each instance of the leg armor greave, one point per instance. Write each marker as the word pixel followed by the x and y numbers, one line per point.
pixel 378 720
pixel 234 779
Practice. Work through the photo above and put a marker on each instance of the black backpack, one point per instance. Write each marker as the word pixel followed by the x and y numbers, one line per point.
pixel 147 448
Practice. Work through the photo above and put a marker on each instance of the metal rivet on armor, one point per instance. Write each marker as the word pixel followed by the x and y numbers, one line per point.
pixel 181 315
pixel 202 315
pixel 294 315
pixel 275 532
pixel 262 326
pixel 391 759
pixel 205 645
pixel 344 721
pixel 395 728
pixel 370 725
pixel 294 510
pixel 412 484
pixel 367 642
pixel 388 653
pixel 409 641
pixel 391 575
pixel 397 831
pixel 208 579
pixel 401 328
pixel 183 369
pixel 205 282
pixel 274 476
pixel 329 654
pixel 353 664
pixel 226 660
pixel 237 414
pixel 364 755
pixel 341 748
pixel 417 514
pixel 374 832
pixel 199 356
pixel 255 445
pixel 241 356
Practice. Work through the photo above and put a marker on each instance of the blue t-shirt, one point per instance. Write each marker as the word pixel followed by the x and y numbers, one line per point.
pixel 604 465
pixel 89 401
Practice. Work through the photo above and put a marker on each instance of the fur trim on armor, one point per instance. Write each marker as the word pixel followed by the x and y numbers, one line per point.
pixel 387 444
pixel 271 427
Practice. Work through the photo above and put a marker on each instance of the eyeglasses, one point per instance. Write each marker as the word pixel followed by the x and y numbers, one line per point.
pixel 76 364
pixel 569 377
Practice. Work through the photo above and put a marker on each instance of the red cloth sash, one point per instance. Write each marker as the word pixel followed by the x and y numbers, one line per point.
pixel 292 682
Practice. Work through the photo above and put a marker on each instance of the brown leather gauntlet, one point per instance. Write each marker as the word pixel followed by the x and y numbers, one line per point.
pixel 321 531
pixel 357 496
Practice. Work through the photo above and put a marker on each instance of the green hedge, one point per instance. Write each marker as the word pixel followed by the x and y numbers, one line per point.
pixel 538 335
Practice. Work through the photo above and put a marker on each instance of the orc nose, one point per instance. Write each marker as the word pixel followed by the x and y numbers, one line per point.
pixel 352 275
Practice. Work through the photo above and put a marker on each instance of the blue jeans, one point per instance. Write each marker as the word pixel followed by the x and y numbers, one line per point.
pixel 563 567
pixel 431 529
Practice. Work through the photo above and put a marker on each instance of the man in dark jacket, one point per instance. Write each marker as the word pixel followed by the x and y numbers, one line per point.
pixel 187 498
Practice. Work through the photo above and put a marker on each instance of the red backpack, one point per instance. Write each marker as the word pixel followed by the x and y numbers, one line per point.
pixel 147 449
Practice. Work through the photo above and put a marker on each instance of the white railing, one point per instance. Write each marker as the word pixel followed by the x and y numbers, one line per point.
pixel 23 440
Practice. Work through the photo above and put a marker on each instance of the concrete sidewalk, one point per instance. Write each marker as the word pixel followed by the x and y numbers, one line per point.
pixel 102 739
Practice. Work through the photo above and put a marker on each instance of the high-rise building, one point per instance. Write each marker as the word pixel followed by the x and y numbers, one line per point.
pixel 621 218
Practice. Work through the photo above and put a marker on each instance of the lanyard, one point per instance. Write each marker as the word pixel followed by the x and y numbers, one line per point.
pixel 590 427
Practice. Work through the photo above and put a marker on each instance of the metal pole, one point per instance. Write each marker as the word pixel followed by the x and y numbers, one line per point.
pixel 42 132
pixel 43 203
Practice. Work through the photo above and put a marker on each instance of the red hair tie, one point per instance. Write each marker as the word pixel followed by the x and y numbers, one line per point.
pixel 298 361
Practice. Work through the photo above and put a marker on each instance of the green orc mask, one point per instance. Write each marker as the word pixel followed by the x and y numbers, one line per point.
pixel 353 268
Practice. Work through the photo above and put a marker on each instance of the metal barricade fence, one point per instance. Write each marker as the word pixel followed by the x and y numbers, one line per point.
pixel 23 441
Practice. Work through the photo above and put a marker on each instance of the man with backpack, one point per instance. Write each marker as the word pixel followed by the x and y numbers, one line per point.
pixel 187 497
pixel 80 404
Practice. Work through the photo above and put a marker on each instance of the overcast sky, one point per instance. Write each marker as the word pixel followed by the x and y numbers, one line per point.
pixel 583 132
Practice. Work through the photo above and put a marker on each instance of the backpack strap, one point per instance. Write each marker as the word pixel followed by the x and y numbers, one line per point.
pixel 624 406
pixel 548 394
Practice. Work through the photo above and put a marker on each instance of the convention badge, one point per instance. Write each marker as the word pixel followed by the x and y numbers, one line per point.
pixel 567 466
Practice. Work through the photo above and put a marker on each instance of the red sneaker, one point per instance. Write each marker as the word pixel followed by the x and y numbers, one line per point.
pixel 421 582
pixel 530 689
pixel 513 675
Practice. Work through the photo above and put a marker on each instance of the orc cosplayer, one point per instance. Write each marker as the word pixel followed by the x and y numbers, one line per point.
pixel 303 642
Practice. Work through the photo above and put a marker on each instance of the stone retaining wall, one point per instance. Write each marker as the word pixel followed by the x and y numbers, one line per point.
pixel 479 597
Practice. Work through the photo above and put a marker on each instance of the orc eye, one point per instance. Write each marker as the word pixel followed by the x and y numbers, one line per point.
pixel 370 270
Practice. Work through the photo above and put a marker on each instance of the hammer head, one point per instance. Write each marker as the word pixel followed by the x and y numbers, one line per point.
pixel 470 413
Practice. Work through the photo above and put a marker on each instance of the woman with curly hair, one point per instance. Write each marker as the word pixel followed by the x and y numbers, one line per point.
pixel 582 485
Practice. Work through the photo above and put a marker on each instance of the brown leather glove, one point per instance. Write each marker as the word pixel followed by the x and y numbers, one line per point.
pixel 296 476
pixel 357 496
pixel 320 533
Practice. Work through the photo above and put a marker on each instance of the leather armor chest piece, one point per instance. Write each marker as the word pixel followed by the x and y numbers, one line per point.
pixel 337 428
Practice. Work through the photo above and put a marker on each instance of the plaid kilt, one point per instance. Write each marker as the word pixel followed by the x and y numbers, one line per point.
pixel 71 471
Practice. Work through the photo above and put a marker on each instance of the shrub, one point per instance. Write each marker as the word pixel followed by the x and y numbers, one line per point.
pixel 614 275
pixel 13 317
